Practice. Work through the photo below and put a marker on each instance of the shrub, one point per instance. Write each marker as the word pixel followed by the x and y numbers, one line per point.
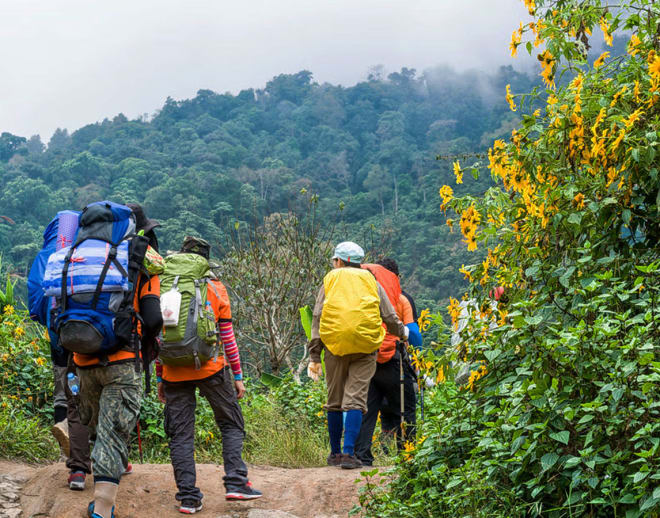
pixel 560 416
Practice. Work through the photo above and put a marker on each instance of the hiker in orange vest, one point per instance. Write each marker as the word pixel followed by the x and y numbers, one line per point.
pixel 384 394
pixel 219 379
pixel 351 309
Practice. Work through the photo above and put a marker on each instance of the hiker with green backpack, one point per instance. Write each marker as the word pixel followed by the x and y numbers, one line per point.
pixel 196 324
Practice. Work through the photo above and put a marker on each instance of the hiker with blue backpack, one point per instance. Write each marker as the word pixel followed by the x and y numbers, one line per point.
pixel 70 433
pixel 197 323
pixel 106 311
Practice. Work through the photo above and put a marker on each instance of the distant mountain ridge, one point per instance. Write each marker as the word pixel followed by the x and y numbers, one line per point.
pixel 202 163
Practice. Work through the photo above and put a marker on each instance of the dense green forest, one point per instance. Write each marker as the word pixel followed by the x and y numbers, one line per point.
pixel 199 165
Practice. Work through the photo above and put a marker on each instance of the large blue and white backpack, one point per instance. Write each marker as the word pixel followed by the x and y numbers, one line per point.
pixel 94 282
pixel 55 237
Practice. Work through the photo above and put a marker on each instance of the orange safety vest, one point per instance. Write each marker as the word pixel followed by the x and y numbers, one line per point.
pixel 390 283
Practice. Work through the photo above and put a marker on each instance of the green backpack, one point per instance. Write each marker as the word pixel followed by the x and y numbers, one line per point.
pixel 193 338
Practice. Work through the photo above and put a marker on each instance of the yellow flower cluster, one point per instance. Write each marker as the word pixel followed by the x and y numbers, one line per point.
pixel 447 194
pixel 424 320
pixel 470 219
pixel 476 375
pixel 454 310
pixel 633 45
pixel 606 31
pixel 548 63
pixel 8 309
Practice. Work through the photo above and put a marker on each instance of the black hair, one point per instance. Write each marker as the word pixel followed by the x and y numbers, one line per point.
pixel 390 264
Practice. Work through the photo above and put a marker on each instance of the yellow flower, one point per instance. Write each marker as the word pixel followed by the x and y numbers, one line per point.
pixel 471 243
pixel 466 273
pixel 447 194
pixel 9 309
pixel 457 172
pixel 454 311
pixel 408 449
pixel 509 99
pixel 548 63
pixel 579 201
pixel 531 6
pixel 654 67
pixel 19 331
pixel 634 116
pixel 606 31
pixel 633 44
pixel 552 100
pixel 618 140
pixel 516 38
pixel 601 59
pixel 424 320
pixel 450 224
pixel 40 361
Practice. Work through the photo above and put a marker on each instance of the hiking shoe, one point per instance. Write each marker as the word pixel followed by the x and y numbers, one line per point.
pixel 334 459
pixel 349 461
pixel 77 480
pixel 128 470
pixel 247 492
pixel 92 514
pixel 190 506
pixel 60 431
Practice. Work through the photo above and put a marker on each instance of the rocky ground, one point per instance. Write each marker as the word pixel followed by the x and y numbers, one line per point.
pixel 41 491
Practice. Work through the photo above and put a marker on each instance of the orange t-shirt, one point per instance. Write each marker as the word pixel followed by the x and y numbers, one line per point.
pixel 219 300
pixel 150 287
pixel 405 314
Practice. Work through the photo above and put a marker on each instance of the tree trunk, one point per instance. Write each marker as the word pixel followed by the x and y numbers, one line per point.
pixel 396 194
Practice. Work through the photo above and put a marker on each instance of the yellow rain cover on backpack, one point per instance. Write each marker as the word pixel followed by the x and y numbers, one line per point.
pixel 350 320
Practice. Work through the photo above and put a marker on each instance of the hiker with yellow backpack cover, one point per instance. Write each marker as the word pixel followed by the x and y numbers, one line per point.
pixel 347 324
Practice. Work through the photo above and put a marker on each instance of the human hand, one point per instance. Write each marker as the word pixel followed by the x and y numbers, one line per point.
pixel 314 371
pixel 240 388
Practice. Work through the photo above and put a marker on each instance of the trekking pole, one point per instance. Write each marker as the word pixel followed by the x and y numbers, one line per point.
pixel 402 407
pixel 140 442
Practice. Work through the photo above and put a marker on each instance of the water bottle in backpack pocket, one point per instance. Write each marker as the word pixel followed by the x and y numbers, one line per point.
pixel 170 305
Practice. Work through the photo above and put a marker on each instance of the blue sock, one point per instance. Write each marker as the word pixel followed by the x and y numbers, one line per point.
pixel 352 423
pixel 335 428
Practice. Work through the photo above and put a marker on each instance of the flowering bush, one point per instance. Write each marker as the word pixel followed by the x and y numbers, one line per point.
pixel 562 418
pixel 25 373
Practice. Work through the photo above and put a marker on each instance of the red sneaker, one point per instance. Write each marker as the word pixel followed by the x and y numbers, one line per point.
pixel 128 470
pixel 77 481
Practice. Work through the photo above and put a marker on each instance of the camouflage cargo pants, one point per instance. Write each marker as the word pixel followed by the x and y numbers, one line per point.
pixel 110 400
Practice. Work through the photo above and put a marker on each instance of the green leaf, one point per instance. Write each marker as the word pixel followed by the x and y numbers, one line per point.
pixel 549 460
pixel 635 154
pixel 534 321
pixel 561 437
pixel 639 476
pixel 306 318
pixel 572 462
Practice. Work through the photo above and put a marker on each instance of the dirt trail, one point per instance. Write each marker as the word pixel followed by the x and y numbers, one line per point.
pixel 149 492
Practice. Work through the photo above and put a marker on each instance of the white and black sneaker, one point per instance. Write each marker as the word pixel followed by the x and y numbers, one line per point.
pixel 189 506
pixel 247 492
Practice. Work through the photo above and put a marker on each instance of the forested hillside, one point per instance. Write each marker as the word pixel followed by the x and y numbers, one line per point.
pixel 199 165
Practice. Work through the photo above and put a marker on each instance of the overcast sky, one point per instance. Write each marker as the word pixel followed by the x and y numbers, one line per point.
pixel 67 63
